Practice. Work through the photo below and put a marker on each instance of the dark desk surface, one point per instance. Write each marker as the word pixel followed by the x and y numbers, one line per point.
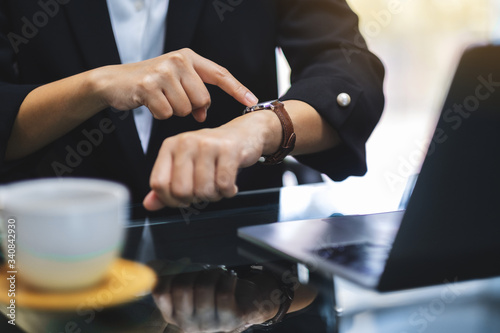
pixel 194 245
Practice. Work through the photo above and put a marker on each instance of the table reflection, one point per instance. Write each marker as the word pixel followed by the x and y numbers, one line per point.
pixel 206 298
pixel 187 298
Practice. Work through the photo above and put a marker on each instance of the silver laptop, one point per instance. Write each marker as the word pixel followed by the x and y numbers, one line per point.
pixel 450 230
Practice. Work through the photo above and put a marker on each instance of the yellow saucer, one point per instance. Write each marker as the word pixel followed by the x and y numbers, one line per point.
pixel 125 282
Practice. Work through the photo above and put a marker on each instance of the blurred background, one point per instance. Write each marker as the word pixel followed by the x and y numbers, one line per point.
pixel 420 43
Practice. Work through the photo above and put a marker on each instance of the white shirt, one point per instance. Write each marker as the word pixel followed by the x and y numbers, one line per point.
pixel 139 30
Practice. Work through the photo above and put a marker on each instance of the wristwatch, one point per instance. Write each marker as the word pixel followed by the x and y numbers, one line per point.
pixel 286 288
pixel 288 141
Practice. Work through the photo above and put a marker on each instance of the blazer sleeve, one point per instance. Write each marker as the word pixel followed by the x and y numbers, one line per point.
pixel 12 91
pixel 328 56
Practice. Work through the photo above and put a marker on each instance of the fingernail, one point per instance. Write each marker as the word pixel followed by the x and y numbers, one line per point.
pixel 251 98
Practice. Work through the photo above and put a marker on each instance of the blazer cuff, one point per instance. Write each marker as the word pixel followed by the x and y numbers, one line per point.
pixel 354 124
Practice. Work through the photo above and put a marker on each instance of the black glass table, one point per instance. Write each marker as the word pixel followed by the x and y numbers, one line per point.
pixel 209 280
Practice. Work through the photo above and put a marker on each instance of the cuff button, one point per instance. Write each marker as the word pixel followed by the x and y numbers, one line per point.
pixel 344 100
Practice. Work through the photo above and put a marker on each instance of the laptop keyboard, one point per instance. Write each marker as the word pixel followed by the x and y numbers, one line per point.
pixel 365 258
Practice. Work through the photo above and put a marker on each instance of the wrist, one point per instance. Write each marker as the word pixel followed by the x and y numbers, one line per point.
pixel 265 127
pixel 96 84
pixel 272 132
pixel 288 136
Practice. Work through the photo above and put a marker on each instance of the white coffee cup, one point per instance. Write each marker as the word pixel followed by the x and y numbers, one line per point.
pixel 68 231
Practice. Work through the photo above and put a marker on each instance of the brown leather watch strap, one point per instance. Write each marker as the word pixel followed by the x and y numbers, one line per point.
pixel 288 141
pixel 288 134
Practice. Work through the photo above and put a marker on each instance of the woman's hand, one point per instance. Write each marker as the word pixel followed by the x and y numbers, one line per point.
pixel 172 84
pixel 202 165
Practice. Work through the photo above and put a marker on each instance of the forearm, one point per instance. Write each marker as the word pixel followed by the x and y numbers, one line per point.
pixel 313 133
pixel 51 111
pixel 172 84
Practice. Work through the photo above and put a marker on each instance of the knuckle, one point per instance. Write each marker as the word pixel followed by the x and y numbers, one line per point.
pixel 180 192
pixel 224 180
pixel 206 192
pixel 159 111
pixel 183 110
pixel 178 58
pixel 200 194
pixel 186 51
pixel 184 143
pixel 166 144
pixel 207 144
pixel 147 84
pixel 245 154
pixel 205 99
pixel 240 89
pixel 137 99
pixel 221 73
pixel 163 115
pixel 227 147
pixel 156 184
pixel 164 69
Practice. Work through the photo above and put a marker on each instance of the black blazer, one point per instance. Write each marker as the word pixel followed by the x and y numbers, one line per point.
pixel 328 56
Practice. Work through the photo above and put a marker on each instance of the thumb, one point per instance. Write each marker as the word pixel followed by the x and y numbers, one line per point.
pixel 152 202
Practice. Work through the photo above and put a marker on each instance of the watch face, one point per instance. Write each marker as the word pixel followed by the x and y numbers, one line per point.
pixel 261 106
pixel 266 105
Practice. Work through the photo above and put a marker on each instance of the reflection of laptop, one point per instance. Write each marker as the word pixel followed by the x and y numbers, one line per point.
pixel 451 228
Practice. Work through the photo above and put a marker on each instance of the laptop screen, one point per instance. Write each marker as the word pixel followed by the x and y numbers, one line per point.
pixel 451 228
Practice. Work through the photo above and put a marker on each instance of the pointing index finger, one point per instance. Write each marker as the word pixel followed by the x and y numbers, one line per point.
pixel 212 73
